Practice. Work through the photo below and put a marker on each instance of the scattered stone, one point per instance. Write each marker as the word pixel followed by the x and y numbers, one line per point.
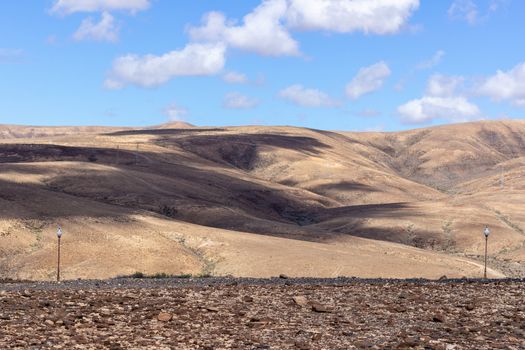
pixel 302 345
pixel 470 307
pixel 399 308
pixel 105 312
pixel 283 276
pixel 317 336
pixel 300 300
pixel 261 314
pixel 247 299
pixel 438 317
pixel 318 307
pixel 410 342
pixel 164 317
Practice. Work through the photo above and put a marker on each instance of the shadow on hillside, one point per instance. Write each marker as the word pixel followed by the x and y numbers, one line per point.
pixel 241 150
pixel 343 186
pixel 31 201
pixel 358 220
pixel 156 132
pixel 184 192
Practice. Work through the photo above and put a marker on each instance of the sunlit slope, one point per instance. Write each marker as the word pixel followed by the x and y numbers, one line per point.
pixel 132 199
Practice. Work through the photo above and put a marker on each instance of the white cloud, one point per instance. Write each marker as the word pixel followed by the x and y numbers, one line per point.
pixel 301 96
pixel 265 30
pixel 428 108
pixel 71 6
pixel 443 85
pixel 105 30
pixel 441 101
pixel 468 10
pixel 465 10
pixel 11 55
pixel 367 80
pixel 345 16
pixel 151 70
pixel 432 62
pixel 261 31
pixel 175 113
pixel 235 100
pixel 234 78
pixel 506 86
pixel 495 5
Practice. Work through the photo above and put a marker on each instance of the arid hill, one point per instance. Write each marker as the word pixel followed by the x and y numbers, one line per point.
pixel 261 201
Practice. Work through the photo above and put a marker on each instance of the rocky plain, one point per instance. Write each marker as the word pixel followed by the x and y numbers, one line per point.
pixel 277 313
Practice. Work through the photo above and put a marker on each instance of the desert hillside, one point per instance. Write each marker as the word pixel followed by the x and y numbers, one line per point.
pixel 261 201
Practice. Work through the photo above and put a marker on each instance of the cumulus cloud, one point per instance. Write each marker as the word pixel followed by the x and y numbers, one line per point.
pixel 301 96
pixel 367 80
pixel 506 86
pixel 261 31
pixel 234 78
pixel 67 7
pixel 468 11
pixel 235 100
pixel 432 62
pixel 151 70
pixel 105 30
pixel 265 30
pixel 443 85
pixel 175 112
pixel 465 10
pixel 495 5
pixel 345 16
pixel 428 108
pixel 441 101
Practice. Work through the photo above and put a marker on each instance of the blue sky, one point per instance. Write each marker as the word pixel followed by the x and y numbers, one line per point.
pixel 328 64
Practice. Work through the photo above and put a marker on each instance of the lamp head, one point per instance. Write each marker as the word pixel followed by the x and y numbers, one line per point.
pixel 486 231
pixel 59 232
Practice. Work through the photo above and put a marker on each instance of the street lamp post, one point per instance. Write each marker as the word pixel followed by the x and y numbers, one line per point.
pixel 486 232
pixel 59 235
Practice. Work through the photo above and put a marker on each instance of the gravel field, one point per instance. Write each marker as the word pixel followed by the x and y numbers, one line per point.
pixel 279 313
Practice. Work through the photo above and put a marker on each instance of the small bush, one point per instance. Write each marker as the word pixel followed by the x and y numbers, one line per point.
pixel 158 275
pixel 170 212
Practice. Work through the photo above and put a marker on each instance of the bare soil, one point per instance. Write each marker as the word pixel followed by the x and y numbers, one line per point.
pixel 259 201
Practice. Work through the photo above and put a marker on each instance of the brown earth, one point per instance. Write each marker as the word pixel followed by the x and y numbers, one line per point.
pixel 260 201
pixel 240 314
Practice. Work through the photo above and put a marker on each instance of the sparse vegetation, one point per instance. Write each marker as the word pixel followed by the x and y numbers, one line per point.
pixel 92 157
pixel 208 264
pixel 448 236
pixel 410 235
pixel 509 222
pixel 168 211
pixel 160 275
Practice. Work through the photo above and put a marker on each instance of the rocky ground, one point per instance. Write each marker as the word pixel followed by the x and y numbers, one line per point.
pixel 263 314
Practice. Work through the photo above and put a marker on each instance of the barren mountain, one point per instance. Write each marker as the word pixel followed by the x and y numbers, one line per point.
pixel 260 201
